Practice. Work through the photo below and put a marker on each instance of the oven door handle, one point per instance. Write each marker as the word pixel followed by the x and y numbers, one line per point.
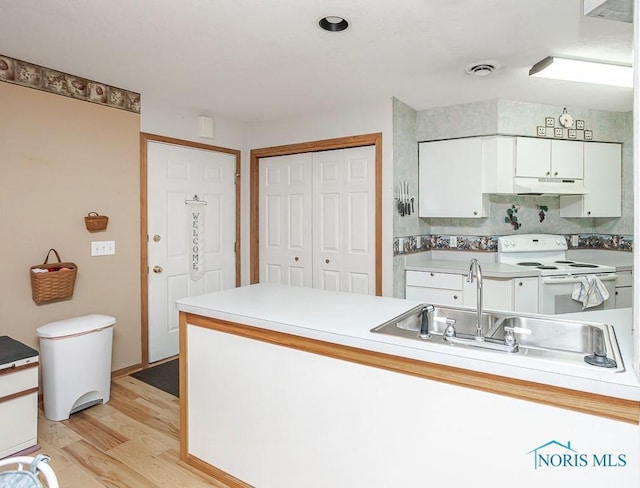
pixel 573 279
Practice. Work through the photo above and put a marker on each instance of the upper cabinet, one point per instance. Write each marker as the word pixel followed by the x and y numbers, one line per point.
pixel 602 182
pixel 548 158
pixel 452 179
pixel 456 175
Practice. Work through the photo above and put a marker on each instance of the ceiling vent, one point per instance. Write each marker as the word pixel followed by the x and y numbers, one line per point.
pixel 482 68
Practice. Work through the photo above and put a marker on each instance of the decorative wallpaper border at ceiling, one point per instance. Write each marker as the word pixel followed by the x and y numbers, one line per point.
pixel 33 76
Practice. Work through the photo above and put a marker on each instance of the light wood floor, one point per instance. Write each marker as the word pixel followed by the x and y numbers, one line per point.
pixel 131 442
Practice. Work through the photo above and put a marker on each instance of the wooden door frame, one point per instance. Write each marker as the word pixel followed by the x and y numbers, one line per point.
pixel 144 238
pixel 374 139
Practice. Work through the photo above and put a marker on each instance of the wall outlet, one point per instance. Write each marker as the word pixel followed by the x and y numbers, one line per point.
pixel 575 241
pixel 453 241
pixel 103 248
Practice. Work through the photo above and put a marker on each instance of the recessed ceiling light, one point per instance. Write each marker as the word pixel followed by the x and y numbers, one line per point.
pixel 481 68
pixel 333 23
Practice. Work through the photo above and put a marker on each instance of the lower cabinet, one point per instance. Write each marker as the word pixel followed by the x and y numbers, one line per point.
pixel 525 295
pixel 449 289
pixel 624 289
pixel 435 288
pixel 497 293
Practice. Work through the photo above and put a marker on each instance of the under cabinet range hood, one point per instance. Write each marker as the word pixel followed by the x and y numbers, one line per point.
pixel 547 186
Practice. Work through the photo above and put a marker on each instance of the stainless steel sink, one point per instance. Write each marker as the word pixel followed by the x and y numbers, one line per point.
pixel 581 343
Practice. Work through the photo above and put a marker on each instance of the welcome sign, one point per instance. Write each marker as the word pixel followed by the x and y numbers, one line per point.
pixel 196 232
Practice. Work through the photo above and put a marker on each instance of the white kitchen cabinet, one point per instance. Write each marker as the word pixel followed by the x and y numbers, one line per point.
pixel 450 289
pixel 497 293
pixel 525 295
pixel 624 289
pixel 548 158
pixel 452 180
pixel 602 180
pixel 434 288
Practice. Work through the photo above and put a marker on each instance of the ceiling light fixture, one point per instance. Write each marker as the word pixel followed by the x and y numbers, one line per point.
pixel 583 71
pixel 333 23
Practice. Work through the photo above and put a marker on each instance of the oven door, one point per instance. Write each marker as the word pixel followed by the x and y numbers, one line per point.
pixel 556 293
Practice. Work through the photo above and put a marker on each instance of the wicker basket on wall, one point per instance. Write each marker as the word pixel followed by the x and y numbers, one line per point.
pixel 52 281
pixel 95 222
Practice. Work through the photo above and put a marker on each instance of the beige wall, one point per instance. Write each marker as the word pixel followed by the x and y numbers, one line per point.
pixel 60 159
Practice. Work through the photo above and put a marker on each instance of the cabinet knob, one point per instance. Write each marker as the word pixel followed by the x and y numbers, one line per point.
pixel 296 258
pixel 555 174
pixel 327 261
pixel 475 212
pixel 589 212
pixel 548 173
pixel 455 297
pixel 520 284
pixel 430 274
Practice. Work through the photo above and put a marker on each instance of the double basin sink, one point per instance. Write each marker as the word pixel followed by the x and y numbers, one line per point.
pixel 579 343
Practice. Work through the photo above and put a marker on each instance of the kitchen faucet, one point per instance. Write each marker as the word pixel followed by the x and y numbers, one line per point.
pixel 479 336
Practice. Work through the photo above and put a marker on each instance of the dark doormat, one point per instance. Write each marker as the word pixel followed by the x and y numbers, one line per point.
pixel 164 376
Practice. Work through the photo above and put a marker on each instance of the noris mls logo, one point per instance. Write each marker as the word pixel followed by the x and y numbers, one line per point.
pixel 554 454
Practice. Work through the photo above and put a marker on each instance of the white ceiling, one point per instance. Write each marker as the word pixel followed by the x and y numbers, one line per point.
pixel 261 59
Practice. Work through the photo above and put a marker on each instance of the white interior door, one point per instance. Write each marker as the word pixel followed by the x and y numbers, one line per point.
pixel 344 220
pixel 317 220
pixel 181 233
pixel 285 220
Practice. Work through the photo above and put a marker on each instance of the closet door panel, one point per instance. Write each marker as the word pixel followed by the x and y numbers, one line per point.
pixel 285 220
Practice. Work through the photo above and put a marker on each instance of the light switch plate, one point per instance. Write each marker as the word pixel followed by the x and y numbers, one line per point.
pixel 103 248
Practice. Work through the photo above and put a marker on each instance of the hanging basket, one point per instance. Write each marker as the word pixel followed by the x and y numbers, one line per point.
pixel 95 222
pixel 52 281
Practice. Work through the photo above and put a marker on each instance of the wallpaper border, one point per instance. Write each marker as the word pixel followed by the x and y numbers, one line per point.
pixel 421 243
pixel 49 80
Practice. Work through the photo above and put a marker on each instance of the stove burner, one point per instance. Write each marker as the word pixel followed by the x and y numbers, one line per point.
pixel 547 267
pixel 564 262
pixel 583 265
pixel 529 263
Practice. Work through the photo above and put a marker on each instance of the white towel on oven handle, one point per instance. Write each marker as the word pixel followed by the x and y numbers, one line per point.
pixel 590 291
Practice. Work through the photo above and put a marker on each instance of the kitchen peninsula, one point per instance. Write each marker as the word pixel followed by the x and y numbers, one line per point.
pixel 286 387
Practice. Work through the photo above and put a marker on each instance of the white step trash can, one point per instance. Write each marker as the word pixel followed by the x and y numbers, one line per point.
pixel 75 355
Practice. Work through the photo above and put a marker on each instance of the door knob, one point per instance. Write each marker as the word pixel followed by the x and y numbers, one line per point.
pixel 156 238
pixel 157 269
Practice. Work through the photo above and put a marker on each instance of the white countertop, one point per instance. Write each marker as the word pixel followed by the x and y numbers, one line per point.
pixel 489 268
pixel 347 319
pixel 457 262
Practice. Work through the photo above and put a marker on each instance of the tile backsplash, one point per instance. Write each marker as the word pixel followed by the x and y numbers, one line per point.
pixel 421 243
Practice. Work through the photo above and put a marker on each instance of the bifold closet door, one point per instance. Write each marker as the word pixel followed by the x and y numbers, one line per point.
pixel 285 220
pixel 317 220
pixel 344 220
